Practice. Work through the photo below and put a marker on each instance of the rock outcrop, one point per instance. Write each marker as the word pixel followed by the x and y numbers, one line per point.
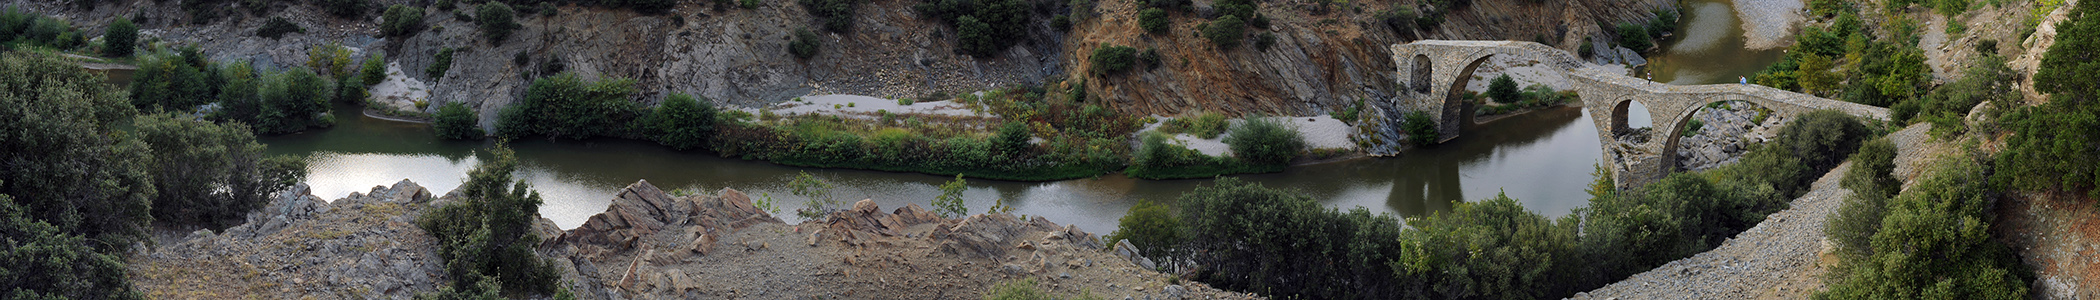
pixel 360 247
pixel 1728 130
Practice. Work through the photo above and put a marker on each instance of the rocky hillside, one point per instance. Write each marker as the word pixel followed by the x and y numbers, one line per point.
pixel 734 55
pixel 362 246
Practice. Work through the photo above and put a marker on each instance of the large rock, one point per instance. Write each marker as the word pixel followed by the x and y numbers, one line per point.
pixel 641 210
pixel 986 235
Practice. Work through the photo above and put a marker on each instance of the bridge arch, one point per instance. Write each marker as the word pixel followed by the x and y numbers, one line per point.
pixel 1418 79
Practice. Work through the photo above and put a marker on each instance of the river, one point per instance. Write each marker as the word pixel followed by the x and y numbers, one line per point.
pixel 1543 159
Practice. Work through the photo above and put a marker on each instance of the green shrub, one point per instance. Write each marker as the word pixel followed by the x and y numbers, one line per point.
pixel 1504 89
pixel 2052 146
pixel 1025 289
pixel 1692 127
pixel 68 166
pixel 1202 124
pixel 817 191
pixel 1935 242
pixel 1150 58
pixel 805 44
pixel 1634 37
pixel 210 174
pixel 1226 32
pixel 277 27
pixel 983 28
pixel 351 90
pixel 344 8
pixel 1013 138
pixel 1265 141
pixel 1061 22
pixel 45 261
pixel 167 82
pixel 401 20
pixel 1872 183
pixel 293 101
pixel 1112 60
pixel 1263 41
pixel 836 15
pixel 950 203
pixel 457 122
pixel 120 38
pixel 1249 237
pixel 1489 249
pixel 486 236
pixel 496 20
pixel 1664 21
pixel 439 65
pixel 331 60
pixel 1420 129
pixel 238 100
pixel 1153 20
pixel 682 122
pixel 374 70
pixel 564 106
pixel 1821 139
pixel 1154 229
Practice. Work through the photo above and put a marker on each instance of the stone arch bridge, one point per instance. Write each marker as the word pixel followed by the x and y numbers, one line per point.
pixel 1433 71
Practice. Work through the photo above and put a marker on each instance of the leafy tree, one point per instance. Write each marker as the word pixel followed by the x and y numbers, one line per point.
pixel 167 82
pixel 1935 243
pixel 331 60
pixel 1504 90
pixel 210 174
pixel 295 100
pixel 238 101
pixel 1821 139
pixel 486 236
pixel 344 8
pixel 1815 76
pixel 1634 37
pixel 976 38
pixel 682 122
pixel 805 44
pixel 1226 32
pixel 496 21
pixel 1265 141
pixel 1252 238
pixel 120 38
pixel 1872 184
pixel 374 70
pixel 565 106
pixel 401 20
pixel 40 261
pixel 1111 60
pixel 350 89
pixel 456 121
pixel 1488 249
pixel 2052 146
pixel 1012 138
pixel 1153 228
pixel 1420 129
pixel 816 190
pixel 950 203
pixel 836 15
pixel 1154 20
pixel 65 165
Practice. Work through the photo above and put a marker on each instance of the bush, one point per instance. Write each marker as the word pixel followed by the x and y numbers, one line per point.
pixel 1488 249
pixel 1664 21
pixel 682 122
pixel 1153 20
pixel 1226 32
pixel 1935 243
pixel 351 90
pixel 983 28
pixel 565 106
pixel 1634 37
pixel 120 38
pixel 293 101
pixel 805 44
pixel 1153 228
pixel 439 65
pixel 486 236
pixel 1263 41
pixel 67 165
pixel 168 83
pixel 1150 58
pixel 331 60
pixel 950 203
pixel 210 174
pixel 1504 90
pixel 344 8
pixel 401 20
pixel 2052 146
pixel 1012 138
pixel 455 121
pixel 1249 237
pixel 496 20
pixel 1265 141
pixel 1112 60
pixel 277 27
pixel 1872 184
pixel 1420 129
pixel 238 100
pixel 44 261
pixel 374 70
pixel 1821 139
pixel 836 15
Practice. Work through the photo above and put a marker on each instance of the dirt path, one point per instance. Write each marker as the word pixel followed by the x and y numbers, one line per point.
pixel 1934 42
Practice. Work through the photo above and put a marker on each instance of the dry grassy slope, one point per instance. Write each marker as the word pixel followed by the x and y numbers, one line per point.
pixel 1320 61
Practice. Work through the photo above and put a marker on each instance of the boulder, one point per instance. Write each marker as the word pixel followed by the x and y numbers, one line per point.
pixel 641 210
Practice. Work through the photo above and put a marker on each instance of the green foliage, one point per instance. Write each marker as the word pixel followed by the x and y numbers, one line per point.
pixel 1265 141
pixel 805 44
pixel 120 38
pixel 1226 32
pixel 1635 37
pixel 1154 229
pixel 496 21
pixel 836 15
pixel 40 261
pixel 1112 60
pixel 1263 41
pixel 1253 238
pixel 1013 138
pixel 983 28
pixel 439 65
pixel 1935 242
pixel 1664 21
pixel 277 27
pixel 1202 124
pixel 1153 20
pixel 1077 140
pixel 1160 156
pixel 350 89
pixel 1401 19
pixel 1504 90
pixel 564 106
pixel 950 203
pixel 1948 105
pixel 2052 146
pixel 1350 114
pixel 344 8
pixel 1420 129
pixel 167 82
pixel 1821 139
pixel 374 70
pixel 210 174
pixel 1692 128
pixel 1872 182
pixel 401 20
pixel 1026 289
pixel 816 190
pixel 238 97
pixel 486 237
pixel 1488 249
pixel 331 60
pixel 682 122
pixel 293 101
pixel 66 166
pixel 455 121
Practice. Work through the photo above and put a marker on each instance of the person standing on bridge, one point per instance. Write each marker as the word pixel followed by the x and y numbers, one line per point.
pixel 1742 80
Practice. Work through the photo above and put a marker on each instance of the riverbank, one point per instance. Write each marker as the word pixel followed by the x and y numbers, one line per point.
pixel 1768 24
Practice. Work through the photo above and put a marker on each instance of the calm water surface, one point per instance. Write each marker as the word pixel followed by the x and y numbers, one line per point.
pixel 1543 159
pixel 1708 48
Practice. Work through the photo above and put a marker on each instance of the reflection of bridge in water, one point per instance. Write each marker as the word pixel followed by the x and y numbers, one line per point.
pixel 1435 70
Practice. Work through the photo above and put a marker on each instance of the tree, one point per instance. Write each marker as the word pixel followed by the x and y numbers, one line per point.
pixel 950 203
pixel 1420 129
pixel 39 261
pixel 486 236
pixel 169 83
pixel 976 38
pixel 1153 228
pixel 1265 141
pixel 1111 60
pixel 120 38
pixel 238 100
pixel 1154 20
pixel 565 106
pixel 457 122
pixel 836 15
pixel 331 60
pixel 66 166
pixel 401 20
pixel 1815 76
pixel 816 190
pixel 496 21
pixel 295 100
pixel 1488 249
pixel 374 70
pixel 207 173
pixel 805 44
pixel 1226 32
pixel 344 8
pixel 1504 90
pixel 1248 237
pixel 2052 146
pixel 1634 37
pixel 682 122
pixel 1013 138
